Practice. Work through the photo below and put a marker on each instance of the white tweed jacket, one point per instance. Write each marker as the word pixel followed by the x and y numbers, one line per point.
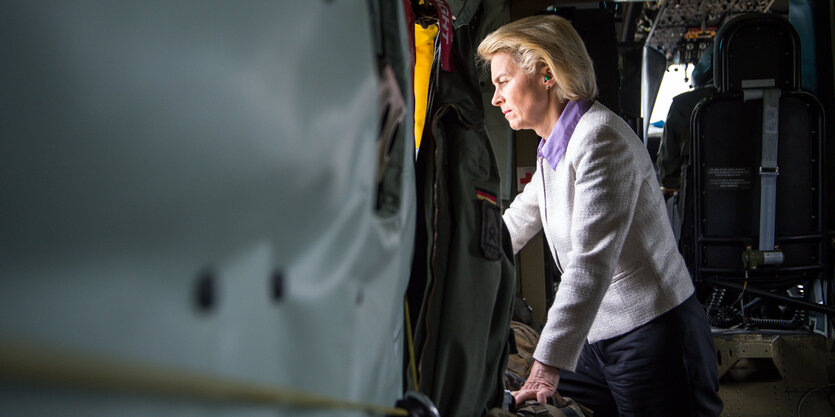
pixel 603 216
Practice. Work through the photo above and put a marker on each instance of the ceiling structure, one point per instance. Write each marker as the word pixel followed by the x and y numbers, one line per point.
pixel 681 29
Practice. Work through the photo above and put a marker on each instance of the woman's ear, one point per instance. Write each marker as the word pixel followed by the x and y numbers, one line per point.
pixel 546 74
pixel 548 77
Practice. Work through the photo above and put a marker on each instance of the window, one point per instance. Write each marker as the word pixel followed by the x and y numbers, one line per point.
pixel 674 83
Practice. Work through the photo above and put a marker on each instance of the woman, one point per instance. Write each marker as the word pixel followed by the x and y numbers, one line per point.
pixel 625 334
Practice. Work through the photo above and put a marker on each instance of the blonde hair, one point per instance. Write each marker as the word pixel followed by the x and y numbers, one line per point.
pixel 550 40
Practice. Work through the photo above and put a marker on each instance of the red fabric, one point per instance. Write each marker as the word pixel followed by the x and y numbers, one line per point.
pixel 445 26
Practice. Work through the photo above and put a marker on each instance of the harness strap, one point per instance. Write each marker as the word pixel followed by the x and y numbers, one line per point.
pixel 768 165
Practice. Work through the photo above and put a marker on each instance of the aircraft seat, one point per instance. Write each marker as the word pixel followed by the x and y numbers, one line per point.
pixel 753 216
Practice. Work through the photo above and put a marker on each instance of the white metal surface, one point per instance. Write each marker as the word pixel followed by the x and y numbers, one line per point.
pixel 146 142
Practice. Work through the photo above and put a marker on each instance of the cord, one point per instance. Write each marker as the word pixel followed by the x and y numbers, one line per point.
pixel 807 394
pixel 55 366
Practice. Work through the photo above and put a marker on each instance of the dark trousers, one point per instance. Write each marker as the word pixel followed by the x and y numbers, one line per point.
pixel 666 367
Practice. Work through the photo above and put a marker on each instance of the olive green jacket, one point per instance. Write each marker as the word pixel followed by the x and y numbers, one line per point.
pixel 463 276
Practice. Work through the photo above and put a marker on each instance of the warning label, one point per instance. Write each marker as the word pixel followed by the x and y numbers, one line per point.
pixel 728 178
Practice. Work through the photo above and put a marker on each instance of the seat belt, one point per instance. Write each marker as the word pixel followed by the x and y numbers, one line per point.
pixel 767 254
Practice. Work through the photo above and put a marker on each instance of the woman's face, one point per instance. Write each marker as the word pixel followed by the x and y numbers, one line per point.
pixel 522 98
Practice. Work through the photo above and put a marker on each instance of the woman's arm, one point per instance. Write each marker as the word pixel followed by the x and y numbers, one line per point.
pixel 522 216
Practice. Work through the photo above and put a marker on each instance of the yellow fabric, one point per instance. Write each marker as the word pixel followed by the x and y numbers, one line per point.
pixel 424 52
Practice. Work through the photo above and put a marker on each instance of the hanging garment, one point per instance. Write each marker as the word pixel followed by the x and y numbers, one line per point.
pixel 463 275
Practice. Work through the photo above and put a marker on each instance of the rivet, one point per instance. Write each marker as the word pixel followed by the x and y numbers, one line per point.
pixel 205 291
pixel 277 285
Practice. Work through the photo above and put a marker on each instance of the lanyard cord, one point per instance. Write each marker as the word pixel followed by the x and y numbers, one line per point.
pixel 411 345
pixel 24 362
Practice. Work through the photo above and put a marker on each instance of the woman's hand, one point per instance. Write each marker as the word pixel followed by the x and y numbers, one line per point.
pixel 541 384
